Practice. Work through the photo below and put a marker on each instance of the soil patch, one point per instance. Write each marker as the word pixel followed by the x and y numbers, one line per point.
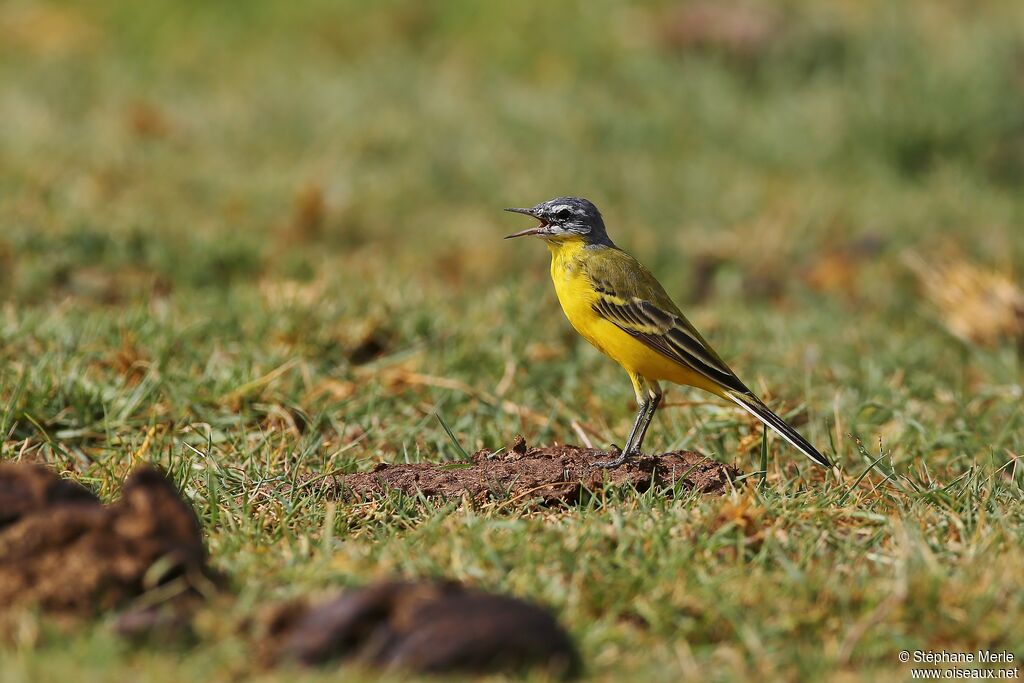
pixel 63 552
pixel 425 627
pixel 550 475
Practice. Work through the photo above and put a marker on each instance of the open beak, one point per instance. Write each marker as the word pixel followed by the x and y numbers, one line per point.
pixel 535 230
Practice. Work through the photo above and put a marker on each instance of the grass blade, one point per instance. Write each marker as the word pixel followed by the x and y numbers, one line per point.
pixel 451 436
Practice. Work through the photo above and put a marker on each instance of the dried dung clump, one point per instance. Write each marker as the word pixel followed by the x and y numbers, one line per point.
pixel 551 475
pixel 63 552
pixel 25 489
pixel 426 627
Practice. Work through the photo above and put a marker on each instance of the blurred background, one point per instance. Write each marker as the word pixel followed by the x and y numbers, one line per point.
pixel 260 242
pixel 289 214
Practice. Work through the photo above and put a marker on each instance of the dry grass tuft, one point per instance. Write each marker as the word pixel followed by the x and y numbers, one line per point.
pixel 977 305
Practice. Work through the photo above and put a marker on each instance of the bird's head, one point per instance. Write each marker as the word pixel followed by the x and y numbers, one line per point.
pixel 565 218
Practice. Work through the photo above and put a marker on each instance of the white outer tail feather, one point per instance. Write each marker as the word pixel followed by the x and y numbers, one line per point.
pixel 813 454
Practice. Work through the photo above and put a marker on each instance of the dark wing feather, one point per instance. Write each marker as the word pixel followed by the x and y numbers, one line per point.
pixel 633 300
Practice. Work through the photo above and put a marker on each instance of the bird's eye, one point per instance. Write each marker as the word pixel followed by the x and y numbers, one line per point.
pixel 562 214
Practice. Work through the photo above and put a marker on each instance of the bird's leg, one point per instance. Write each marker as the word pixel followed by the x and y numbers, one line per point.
pixel 636 435
pixel 626 452
pixel 648 396
pixel 652 405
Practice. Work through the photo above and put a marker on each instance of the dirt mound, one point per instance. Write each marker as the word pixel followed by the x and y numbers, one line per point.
pixel 428 627
pixel 63 552
pixel 25 489
pixel 549 474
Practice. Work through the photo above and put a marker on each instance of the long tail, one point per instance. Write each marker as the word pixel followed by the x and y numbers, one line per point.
pixel 753 405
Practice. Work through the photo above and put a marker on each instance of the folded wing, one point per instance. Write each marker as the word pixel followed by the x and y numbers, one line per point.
pixel 633 300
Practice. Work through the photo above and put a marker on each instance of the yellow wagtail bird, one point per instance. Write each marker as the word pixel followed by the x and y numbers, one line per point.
pixel 617 305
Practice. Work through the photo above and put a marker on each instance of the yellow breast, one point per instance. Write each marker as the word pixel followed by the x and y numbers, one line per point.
pixel 577 295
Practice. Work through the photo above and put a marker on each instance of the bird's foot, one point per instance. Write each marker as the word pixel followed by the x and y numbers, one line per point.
pixel 621 457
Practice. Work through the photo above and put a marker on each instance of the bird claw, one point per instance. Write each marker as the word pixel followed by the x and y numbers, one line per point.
pixel 614 462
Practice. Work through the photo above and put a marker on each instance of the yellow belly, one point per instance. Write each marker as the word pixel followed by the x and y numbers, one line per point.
pixel 577 296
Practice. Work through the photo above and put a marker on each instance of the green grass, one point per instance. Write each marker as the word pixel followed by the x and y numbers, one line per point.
pixel 272 234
